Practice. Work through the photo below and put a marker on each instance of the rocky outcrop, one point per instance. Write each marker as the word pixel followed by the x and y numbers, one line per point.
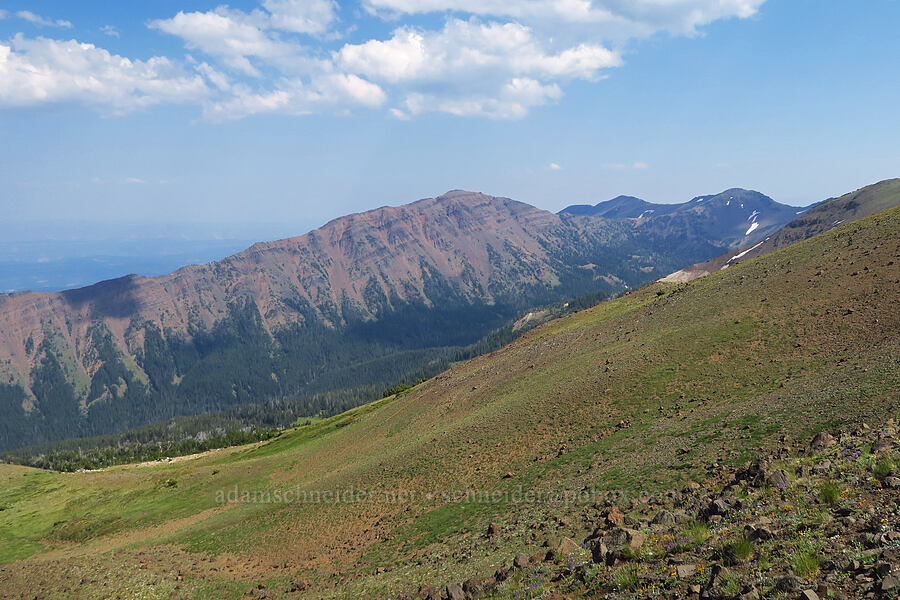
pixel 830 533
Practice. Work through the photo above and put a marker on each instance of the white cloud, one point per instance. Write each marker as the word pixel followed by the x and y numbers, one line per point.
pixel 301 16
pixel 3 14
pixel 328 93
pixel 40 21
pixel 466 49
pixel 232 36
pixel 136 180
pixel 555 167
pixel 487 69
pixel 633 17
pixel 42 71
pixel 640 165
pixel 512 101
pixel 489 58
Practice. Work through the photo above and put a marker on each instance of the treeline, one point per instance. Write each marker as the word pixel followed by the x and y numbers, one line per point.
pixel 330 394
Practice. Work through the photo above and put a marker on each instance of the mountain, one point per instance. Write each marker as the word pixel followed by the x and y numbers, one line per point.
pixel 631 403
pixel 735 215
pixel 621 207
pixel 813 221
pixel 368 299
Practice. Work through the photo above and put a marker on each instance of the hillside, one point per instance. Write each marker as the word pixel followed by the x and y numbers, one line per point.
pixel 817 219
pixel 367 300
pixel 637 395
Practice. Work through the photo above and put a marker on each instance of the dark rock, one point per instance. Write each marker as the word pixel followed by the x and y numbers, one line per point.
pixel 779 479
pixel 891 583
pixel 892 482
pixel 822 441
pixel 479 586
pixel 663 517
pixel 809 595
pixel 493 529
pixel 426 592
pixel 789 584
pixel 717 575
pixel 718 508
pixel 454 592
pixel 822 467
pixel 521 560
pixel 600 553
pixel 620 538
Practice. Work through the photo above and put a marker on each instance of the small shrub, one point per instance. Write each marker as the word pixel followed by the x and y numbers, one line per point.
pixel 739 551
pixel 805 562
pixel 884 467
pixel 732 585
pixel 696 532
pixel 829 493
pixel 764 562
pixel 627 578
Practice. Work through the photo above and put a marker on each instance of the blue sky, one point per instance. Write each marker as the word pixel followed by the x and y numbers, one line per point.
pixel 292 112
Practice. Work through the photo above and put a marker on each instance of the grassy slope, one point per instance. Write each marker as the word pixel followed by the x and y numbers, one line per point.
pixel 702 372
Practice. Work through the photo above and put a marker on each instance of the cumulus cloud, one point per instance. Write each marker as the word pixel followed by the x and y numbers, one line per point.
pixel 40 21
pixel 498 70
pixel 635 17
pixel 43 71
pixel 234 37
pixel 301 16
pixel 489 58
pixel 468 49
pixel 555 167
pixel 325 93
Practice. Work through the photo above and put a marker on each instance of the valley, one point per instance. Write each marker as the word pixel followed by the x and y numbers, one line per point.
pixel 669 384
pixel 325 321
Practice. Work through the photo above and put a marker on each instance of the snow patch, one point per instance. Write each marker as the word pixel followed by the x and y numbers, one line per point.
pixel 744 253
pixel 752 227
pixel 646 212
pixel 753 216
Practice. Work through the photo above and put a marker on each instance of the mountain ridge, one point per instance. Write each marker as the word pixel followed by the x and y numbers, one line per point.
pixel 438 272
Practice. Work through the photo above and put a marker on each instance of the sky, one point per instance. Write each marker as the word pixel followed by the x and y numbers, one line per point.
pixel 274 116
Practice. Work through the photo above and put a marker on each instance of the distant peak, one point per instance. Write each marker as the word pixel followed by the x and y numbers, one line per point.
pixel 457 194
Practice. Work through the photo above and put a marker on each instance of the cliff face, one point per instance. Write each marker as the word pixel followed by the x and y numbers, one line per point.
pixel 435 273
